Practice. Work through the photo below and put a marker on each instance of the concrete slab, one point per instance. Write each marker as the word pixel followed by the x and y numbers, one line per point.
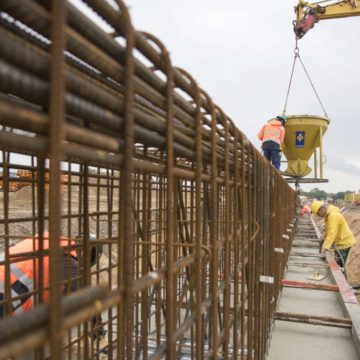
pixel 299 341
pixel 310 302
pixel 295 341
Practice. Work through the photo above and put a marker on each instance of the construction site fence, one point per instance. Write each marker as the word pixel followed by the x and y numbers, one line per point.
pixel 122 155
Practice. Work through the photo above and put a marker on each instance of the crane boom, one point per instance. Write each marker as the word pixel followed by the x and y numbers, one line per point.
pixel 307 14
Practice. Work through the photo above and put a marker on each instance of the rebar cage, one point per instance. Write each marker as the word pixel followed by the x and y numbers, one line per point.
pixel 106 145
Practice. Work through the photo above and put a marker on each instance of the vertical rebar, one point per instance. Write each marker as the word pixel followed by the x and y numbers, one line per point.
pixel 237 238
pixel 6 186
pixel 57 116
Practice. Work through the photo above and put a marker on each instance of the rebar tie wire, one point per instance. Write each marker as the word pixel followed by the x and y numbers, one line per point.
pixel 297 56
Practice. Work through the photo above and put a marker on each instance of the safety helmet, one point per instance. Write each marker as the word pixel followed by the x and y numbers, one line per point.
pixel 282 119
pixel 315 206
pixel 96 250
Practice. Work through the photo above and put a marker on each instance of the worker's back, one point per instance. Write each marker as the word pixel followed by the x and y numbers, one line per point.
pixel 272 134
pixel 26 275
pixel 337 229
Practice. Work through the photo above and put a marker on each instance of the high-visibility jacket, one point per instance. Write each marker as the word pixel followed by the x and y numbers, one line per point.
pixel 272 131
pixel 305 210
pixel 337 230
pixel 23 273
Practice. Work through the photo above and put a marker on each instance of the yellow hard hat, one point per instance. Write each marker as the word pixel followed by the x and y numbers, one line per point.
pixel 315 206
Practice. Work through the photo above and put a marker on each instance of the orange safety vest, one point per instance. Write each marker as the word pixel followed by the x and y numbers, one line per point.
pixel 22 274
pixel 273 130
pixel 305 210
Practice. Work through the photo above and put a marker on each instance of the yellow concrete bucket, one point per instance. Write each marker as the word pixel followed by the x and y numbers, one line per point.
pixel 302 136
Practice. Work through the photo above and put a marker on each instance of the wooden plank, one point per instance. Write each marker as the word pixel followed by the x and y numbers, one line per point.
pixel 305 285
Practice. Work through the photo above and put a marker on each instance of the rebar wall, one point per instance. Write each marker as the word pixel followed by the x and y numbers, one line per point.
pixel 103 137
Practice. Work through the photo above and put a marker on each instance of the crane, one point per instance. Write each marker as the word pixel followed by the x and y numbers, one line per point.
pixel 307 14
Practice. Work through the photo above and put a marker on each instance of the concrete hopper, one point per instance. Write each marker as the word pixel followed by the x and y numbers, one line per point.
pixel 302 137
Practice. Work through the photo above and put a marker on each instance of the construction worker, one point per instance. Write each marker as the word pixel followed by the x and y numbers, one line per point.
pixel 25 277
pixel 337 232
pixel 272 136
pixel 305 211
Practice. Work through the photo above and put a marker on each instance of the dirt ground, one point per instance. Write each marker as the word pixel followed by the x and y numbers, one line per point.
pixel 20 206
pixel 353 262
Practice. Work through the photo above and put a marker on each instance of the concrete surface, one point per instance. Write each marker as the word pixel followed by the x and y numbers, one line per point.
pixel 295 341
pixel 298 341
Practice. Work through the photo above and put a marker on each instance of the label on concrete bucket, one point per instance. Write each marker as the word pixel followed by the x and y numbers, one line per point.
pixel 266 279
pixel 300 139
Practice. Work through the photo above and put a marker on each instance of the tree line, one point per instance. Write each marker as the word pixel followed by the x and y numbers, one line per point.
pixel 323 195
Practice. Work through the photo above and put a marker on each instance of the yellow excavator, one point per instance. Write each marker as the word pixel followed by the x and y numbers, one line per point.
pixel 307 14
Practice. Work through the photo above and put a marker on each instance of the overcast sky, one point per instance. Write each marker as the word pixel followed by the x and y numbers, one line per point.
pixel 241 53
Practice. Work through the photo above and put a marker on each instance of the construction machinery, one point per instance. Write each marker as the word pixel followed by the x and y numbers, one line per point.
pixel 307 14
pixel 298 148
pixel 302 139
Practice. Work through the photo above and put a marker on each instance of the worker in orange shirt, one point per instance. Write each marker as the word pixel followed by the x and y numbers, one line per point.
pixel 272 136
pixel 24 273
pixel 305 211
pixel 25 279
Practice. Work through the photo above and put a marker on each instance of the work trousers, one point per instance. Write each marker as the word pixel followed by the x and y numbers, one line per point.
pixel 274 156
pixel 344 254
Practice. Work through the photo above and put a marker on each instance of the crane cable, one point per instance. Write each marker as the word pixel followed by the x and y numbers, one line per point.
pixel 297 56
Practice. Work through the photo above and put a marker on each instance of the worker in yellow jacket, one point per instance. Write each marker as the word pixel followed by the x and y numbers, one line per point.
pixel 337 231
